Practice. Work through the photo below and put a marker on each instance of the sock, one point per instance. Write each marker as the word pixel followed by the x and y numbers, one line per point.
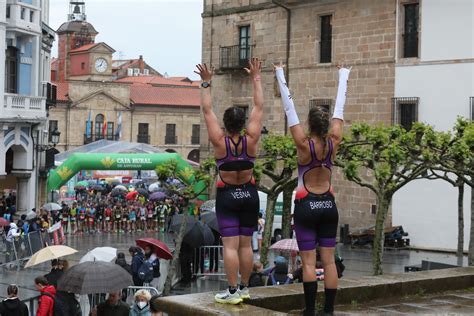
pixel 329 297
pixel 232 289
pixel 242 285
pixel 310 289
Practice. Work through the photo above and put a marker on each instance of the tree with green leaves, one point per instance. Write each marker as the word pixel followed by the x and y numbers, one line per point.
pixel 170 170
pixel 457 157
pixel 393 157
pixel 275 166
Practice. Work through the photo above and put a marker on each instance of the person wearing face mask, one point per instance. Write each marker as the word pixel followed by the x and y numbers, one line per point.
pixel 141 307
pixel 113 306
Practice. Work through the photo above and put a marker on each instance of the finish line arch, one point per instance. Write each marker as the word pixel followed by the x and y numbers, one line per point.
pixel 83 161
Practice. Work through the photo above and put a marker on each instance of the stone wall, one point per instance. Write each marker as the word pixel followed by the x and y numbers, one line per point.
pixel 363 36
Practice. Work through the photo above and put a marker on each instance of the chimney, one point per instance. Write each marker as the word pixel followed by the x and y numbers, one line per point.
pixel 141 65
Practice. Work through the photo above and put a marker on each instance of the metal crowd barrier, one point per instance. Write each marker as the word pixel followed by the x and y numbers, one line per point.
pixel 208 261
pixel 18 252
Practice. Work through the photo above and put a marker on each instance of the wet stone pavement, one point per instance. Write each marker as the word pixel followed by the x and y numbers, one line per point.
pixel 447 303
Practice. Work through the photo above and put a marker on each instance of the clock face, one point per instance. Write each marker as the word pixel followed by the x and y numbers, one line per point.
pixel 100 64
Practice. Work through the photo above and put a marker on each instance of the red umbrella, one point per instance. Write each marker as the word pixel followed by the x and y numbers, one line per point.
pixel 159 247
pixel 4 222
pixel 131 195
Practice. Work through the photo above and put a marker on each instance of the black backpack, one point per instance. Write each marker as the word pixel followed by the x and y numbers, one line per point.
pixel 146 272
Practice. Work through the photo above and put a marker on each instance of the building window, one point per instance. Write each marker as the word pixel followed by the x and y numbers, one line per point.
pixel 143 136
pixel 325 103
pixel 110 131
pixel 32 16
pixel 170 137
pixel 8 11
pixel 325 47
pixel 146 72
pixel 22 14
pixel 244 45
pixel 410 34
pixel 405 112
pixel 53 125
pixel 195 140
pixel 83 66
pixel 11 68
pixel 471 116
pixel 99 124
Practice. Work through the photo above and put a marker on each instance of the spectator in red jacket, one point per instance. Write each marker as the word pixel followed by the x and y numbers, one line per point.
pixel 48 292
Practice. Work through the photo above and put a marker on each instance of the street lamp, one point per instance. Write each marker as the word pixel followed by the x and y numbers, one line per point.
pixel 55 137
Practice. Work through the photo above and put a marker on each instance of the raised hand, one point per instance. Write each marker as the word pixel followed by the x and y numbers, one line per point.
pixel 255 67
pixel 205 72
pixel 280 65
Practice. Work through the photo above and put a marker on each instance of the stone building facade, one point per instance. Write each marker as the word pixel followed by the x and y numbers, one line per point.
pixel 320 34
pixel 97 99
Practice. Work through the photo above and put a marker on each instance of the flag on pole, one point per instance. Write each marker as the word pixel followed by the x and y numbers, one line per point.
pixel 104 127
pixel 89 126
pixel 118 133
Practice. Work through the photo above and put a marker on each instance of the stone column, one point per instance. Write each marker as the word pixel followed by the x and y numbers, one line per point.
pixel 22 194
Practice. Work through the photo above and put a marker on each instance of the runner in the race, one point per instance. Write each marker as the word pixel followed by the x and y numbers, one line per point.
pixel 315 214
pixel 237 203
pixel 73 217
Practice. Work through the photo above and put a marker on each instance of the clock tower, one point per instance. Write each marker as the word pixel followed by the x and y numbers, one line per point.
pixel 79 57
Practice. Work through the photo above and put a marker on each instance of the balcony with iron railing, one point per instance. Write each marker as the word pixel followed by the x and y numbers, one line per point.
pixel 143 138
pixel 50 93
pixel 171 139
pixel 234 57
pixel 23 107
pixel 95 137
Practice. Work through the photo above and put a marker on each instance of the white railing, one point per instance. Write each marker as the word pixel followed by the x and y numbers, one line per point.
pixel 23 106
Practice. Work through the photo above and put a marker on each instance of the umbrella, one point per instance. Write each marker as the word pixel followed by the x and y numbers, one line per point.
pixel 139 184
pixel 118 192
pixel 154 187
pixel 121 187
pixel 31 215
pixel 49 253
pixel 157 196
pixel 52 207
pixel 285 245
pixel 81 184
pixel 94 277
pixel 159 247
pixel 142 191
pixel 177 219
pixel 131 195
pixel 199 235
pixel 92 182
pixel 97 187
pixel 210 219
pixel 208 205
pixel 107 254
pixel 4 222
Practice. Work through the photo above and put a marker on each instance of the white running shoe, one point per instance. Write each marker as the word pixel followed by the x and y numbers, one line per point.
pixel 244 293
pixel 228 298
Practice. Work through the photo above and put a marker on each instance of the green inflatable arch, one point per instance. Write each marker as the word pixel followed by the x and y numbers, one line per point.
pixel 79 161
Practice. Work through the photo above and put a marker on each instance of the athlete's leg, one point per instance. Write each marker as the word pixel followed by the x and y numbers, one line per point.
pixel 330 278
pixel 245 259
pixel 231 259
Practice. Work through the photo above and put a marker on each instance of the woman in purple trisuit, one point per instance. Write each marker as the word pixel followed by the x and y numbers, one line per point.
pixel 237 203
pixel 315 214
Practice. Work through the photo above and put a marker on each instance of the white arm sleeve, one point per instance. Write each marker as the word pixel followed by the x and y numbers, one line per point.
pixel 341 93
pixel 286 99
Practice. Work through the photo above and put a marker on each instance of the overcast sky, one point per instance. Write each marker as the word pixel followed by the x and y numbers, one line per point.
pixel 166 32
